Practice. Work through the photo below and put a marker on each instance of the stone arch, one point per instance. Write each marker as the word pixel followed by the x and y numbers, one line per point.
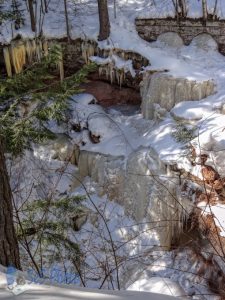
pixel 171 38
pixel 205 41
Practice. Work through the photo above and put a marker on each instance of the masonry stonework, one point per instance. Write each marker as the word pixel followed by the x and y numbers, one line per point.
pixel 150 29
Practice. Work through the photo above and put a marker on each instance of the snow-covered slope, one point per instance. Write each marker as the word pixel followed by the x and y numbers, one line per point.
pixel 59 292
pixel 206 116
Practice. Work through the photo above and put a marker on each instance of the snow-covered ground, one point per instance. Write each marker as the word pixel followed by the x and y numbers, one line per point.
pixel 84 20
pixel 122 134
pixel 59 292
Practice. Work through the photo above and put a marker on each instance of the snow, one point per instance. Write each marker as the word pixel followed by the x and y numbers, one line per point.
pixel 117 62
pixel 157 284
pixel 122 134
pixel 84 10
pixel 59 292
pixel 188 111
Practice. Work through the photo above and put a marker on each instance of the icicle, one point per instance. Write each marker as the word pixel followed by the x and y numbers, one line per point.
pixel 90 51
pixel 107 71
pixel 7 61
pixel 126 56
pixel 105 53
pixel 120 75
pixel 18 55
pixel 29 51
pixel 122 78
pixel 117 76
pixel 84 52
pixel 39 50
pixel 111 73
pixel 45 48
pixel 111 51
pixel 100 71
pixel 34 47
pixel 87 49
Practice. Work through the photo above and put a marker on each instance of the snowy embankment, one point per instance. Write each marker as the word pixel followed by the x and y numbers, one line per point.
pixel 45 291
pixel 58 293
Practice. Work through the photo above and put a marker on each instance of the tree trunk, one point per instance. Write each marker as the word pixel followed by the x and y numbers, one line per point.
pixel 114 8
pixel 204 9
pixel 104 31
pixel 32 17
pixel 9 250
pixel 183 8
pixel 67 20
pixel 46 6
pixel 215 9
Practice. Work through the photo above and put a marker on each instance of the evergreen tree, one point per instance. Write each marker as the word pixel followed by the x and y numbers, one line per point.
pixel 9 250
pixel 15 14
pixel 17 132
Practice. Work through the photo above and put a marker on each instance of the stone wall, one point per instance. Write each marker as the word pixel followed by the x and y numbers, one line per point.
pixel 150 29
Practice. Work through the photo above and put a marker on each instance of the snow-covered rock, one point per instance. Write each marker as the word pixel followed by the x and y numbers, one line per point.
pixel 167 91
pixel 205 41
pixel 185 112
pixel 60 148
pixel 171 39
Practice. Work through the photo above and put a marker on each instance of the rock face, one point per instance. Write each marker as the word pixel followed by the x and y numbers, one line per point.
pixel 166 91
pixel 61 149
pixel 108 94
pixel 107 170
pixel 138 186
pixel 148 194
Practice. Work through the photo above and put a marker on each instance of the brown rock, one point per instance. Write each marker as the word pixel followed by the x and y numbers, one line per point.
pixel 218 184
pixel 108 94
pixel 203 158
pixel 210 198
pixel 95 139
pixel 209 174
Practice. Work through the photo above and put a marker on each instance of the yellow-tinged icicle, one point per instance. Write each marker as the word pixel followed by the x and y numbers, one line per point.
pixel 7 59
pixel 88 50
pixel 45 48
pixel 39 50
pixel 18 56
pixel 34 47
pixel 29 51
pixel 20 53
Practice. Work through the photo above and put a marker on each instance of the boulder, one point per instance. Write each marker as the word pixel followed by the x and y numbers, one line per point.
pixel 166 91
pixel 171 39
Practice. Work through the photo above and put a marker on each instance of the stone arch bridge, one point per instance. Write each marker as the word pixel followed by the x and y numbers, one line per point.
pixel 150 29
